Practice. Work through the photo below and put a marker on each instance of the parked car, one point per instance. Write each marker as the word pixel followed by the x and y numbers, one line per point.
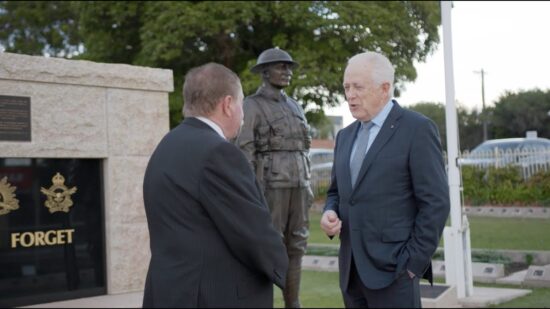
pixel 319 156
pixel 509 151
pixel 321 168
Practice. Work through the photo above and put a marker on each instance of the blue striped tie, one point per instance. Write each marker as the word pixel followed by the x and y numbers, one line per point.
pixel 361 143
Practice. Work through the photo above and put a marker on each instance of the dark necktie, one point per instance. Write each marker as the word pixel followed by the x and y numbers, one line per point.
pixel 360 150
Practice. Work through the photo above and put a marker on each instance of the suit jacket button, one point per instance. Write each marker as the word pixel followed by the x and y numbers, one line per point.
pixel 352 202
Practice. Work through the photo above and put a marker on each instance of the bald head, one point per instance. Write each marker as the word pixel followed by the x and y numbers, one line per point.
pixel 368 84
pixel 377 66
pixel 205 85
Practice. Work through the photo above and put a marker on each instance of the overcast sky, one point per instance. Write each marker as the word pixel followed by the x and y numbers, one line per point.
pixel 509 40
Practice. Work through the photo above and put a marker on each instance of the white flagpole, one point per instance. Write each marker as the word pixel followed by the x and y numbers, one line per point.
pixel 458 261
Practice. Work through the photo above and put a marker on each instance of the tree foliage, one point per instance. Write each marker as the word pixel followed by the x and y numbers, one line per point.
pixel 39 27
pixel 320 35
pixel 469 123
pixel 516 113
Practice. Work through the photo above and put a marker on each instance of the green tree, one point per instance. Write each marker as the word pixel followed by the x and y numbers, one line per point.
pixel 39 27
pixel 469 123
pixel 436 112
pixel 320 35
pixel 516 113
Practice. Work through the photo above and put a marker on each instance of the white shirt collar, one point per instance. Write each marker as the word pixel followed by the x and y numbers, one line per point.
pixel 213 125
pixel 381 117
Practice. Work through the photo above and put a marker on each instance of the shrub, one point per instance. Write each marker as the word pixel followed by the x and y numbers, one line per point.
pixel 504 186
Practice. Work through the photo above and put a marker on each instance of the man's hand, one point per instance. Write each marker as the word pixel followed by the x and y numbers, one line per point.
pixel 330 223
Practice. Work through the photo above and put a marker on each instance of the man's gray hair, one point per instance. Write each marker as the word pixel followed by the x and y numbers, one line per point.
pixel 205 85
pixel 381 69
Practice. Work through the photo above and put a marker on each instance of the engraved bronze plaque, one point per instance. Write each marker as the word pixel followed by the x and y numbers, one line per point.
pixel 15 119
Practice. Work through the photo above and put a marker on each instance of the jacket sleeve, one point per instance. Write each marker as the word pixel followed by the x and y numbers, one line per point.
pixel 431 191
pixel 333 198
pixel 230 195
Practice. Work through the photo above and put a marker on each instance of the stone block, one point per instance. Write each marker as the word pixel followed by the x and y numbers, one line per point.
pixel 131 113
pixel 438 268
pixel 487 272
pixel 537 276
pixel 438 296
pixel 81 72
pixel 320 263
pixel 67 121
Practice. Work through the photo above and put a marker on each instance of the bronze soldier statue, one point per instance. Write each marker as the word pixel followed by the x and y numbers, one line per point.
pixel 275 138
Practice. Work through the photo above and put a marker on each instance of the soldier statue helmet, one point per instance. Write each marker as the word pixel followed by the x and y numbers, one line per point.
pixel 270 56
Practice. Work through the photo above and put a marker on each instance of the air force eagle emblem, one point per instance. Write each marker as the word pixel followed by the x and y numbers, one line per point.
pixel 59 196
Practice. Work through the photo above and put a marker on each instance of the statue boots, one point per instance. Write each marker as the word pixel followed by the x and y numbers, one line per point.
pixel 291 292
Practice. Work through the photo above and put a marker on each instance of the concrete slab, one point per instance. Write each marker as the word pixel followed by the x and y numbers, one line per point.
pixel 127 300
pixel 537 276
pixel 438 268
pixel 516 278
pixel 487 272
pixel 483 272
pixel 508 212
pixel 484 297
pixel 438 296
pixel 320 263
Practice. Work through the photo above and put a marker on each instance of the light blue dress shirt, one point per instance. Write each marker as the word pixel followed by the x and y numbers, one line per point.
pixel 378 121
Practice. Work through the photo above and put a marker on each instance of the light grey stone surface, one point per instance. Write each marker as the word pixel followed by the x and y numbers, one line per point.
pixel 447 299
pixel 124 192
pixel 114 112
pixel 508 212
pixel 487 272
pixel 482 272
pixel 537 276
pixel 137 120
pixel 81 72
pixel 66 121
pixel 320 263
pixel 484 297
pixel 516 278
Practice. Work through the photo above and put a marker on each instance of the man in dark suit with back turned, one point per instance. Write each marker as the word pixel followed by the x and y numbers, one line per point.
pixel 388 197
pixel 212 240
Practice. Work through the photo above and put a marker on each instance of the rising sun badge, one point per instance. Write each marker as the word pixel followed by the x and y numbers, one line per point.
pixel 8 202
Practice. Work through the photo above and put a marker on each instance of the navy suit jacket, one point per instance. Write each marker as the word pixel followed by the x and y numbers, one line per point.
pixel 393 218
pixel 212 240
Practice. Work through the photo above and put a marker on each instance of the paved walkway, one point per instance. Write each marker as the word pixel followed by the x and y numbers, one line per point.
pixel 128 300
pixel 482 297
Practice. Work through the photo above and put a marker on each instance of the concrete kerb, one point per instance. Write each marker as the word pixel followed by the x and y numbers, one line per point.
pixel 508 212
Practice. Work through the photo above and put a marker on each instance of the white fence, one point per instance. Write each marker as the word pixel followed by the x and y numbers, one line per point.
pixel 529 160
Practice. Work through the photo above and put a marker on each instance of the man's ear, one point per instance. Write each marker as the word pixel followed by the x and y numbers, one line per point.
pixel 386 87
pixel 226 105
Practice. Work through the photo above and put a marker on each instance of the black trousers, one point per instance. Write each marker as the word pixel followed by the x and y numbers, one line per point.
pixel 404 292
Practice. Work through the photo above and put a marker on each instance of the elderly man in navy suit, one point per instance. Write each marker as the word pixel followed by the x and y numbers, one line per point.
pixel 388 199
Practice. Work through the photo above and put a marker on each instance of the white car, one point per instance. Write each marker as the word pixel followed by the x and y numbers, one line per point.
pixel 509 151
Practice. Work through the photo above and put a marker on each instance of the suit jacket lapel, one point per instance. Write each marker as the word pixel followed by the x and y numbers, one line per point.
pixel 386 132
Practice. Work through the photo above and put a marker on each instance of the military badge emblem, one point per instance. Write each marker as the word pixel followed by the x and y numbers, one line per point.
pixel 8 202
pixel 59 196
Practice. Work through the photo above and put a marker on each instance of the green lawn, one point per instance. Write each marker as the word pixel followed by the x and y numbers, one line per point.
pixel 321 290
pixel 485 232
pixel 318 290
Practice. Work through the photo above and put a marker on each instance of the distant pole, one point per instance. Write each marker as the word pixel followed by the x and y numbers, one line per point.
pixel 483 116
